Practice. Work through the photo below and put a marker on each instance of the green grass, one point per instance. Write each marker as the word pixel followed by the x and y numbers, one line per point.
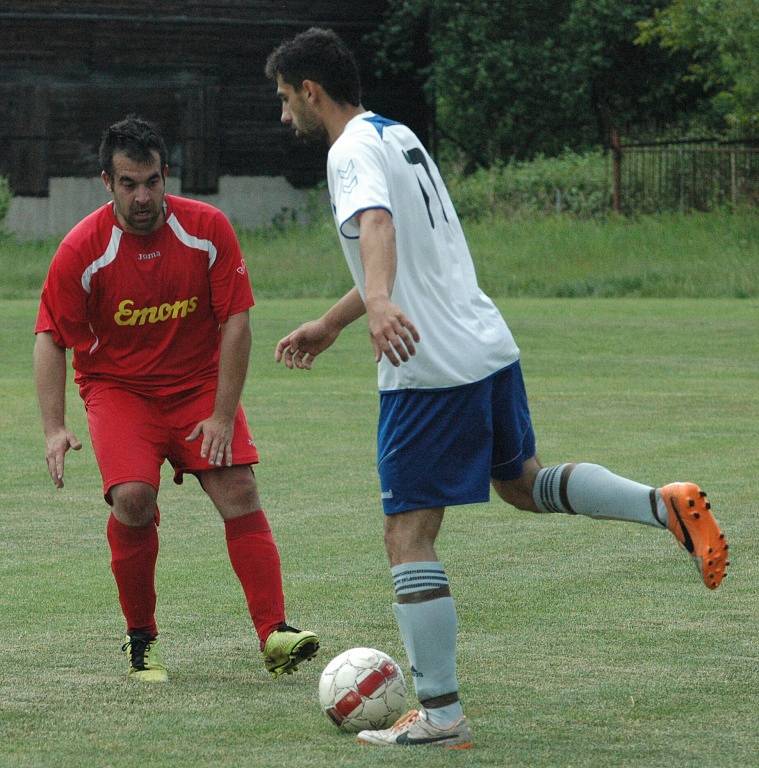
pixel 582 643
pixel 664 256
pixel 668 256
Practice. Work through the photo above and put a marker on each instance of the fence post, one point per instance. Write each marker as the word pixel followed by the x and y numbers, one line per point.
pixel 616 154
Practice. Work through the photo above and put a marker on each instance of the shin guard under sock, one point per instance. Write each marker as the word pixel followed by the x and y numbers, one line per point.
pixel 255 559
pixel 134 552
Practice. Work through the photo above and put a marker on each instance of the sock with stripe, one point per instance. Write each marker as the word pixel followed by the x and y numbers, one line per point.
pixel 594 491
pixel 255 559
pixel 428 626
pixel 134 551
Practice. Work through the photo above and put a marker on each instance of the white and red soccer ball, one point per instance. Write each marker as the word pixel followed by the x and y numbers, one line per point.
pixel 362 689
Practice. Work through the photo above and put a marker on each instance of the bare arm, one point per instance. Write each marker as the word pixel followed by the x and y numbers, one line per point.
pixel 218 429
pixel 392 333
pixel 50 380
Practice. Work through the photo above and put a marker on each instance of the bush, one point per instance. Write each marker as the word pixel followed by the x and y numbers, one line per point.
pixel 5 197
pixel 570 183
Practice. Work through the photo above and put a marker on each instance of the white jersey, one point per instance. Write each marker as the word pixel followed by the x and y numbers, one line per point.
pixel 378 163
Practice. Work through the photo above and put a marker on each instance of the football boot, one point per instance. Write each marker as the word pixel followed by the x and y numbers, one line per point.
pixel 414 729
pixel 145 663
pixel 692 523
pixel 286 647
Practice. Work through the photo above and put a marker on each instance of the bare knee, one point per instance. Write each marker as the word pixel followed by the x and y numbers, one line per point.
pixel 134 504
pixel 518 492
pixel 233 490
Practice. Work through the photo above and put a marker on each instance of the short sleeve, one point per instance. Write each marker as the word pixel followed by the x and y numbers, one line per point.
pixel 63 303
pixel 231 290
pixel 358 180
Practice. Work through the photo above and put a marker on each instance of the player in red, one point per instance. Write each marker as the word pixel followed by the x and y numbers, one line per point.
pixel 152 294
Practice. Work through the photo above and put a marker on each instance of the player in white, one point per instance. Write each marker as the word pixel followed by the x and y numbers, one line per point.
pixel 453 417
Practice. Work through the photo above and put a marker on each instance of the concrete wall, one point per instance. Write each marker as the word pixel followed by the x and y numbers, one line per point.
pixel 249 201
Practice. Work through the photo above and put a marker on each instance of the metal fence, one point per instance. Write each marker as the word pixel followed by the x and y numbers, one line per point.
pixel 692 174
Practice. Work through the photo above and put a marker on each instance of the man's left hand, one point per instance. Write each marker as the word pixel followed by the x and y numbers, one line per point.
pixel 217 440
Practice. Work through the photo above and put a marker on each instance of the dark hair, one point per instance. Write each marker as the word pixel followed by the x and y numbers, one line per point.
pixel 136 138
pixel 319 55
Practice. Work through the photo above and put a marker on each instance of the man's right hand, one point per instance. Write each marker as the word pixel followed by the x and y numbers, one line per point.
pixel 391 332
pixel 299 348
pixel 56 445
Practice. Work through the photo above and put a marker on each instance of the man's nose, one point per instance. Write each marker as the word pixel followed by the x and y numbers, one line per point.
pixel 142 195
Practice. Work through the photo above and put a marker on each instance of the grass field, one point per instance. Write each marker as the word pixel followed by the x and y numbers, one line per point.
pixel 582 643
pixel 665 256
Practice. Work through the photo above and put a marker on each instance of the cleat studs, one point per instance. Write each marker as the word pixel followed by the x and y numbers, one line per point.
pixel 695 515
pixel 702 494
pixel 710 563
pixel 722 536
pixel 691 503
pixel 727 562
pixel 708 505
pixel 709 551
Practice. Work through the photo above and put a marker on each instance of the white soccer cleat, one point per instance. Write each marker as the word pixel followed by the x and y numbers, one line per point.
pixel 414 729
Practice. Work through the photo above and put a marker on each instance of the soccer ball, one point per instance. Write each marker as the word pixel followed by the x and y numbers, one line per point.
pixel 362 688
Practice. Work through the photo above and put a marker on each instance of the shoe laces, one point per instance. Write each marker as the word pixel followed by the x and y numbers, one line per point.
pixel 138 645
pixel 405 720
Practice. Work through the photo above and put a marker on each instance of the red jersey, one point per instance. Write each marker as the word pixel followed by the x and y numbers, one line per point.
pixel 145 311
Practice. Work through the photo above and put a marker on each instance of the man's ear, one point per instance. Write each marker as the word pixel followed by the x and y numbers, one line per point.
pixel 107 181
pixel 311 90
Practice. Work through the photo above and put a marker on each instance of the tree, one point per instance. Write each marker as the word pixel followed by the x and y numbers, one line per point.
pixel 513 78
pixel 722 37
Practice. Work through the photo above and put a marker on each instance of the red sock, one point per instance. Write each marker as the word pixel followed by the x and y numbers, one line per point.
pixel 255 559
pixel 134 552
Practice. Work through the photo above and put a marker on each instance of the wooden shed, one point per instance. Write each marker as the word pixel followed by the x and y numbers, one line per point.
pixel 69 68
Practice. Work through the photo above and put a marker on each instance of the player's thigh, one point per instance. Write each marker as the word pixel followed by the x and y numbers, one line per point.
pixel 434 447
pixel 129 437
pixel 184 412
pixel 514 462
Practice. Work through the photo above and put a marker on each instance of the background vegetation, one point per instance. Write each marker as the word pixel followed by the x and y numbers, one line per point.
pixel 5 198
pixel 514 79
pixel 669 255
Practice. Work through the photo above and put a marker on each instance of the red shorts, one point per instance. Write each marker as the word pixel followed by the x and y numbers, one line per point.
pixel 132 434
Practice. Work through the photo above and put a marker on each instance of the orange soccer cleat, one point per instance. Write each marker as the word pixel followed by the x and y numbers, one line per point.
pixel 690 520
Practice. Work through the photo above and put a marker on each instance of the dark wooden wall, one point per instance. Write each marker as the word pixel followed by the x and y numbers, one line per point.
pixel 68 69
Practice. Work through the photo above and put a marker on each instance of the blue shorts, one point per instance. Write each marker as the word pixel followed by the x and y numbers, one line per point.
pixel 441 447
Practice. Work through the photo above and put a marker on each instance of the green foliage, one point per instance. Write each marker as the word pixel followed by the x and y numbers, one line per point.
pixel 515 79
pixel 570 183
pixel 5 198
pixel 722 37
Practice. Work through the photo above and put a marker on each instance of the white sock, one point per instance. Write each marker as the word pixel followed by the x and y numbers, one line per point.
pixel 442 717
pixel 595 492
pixel 428 629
